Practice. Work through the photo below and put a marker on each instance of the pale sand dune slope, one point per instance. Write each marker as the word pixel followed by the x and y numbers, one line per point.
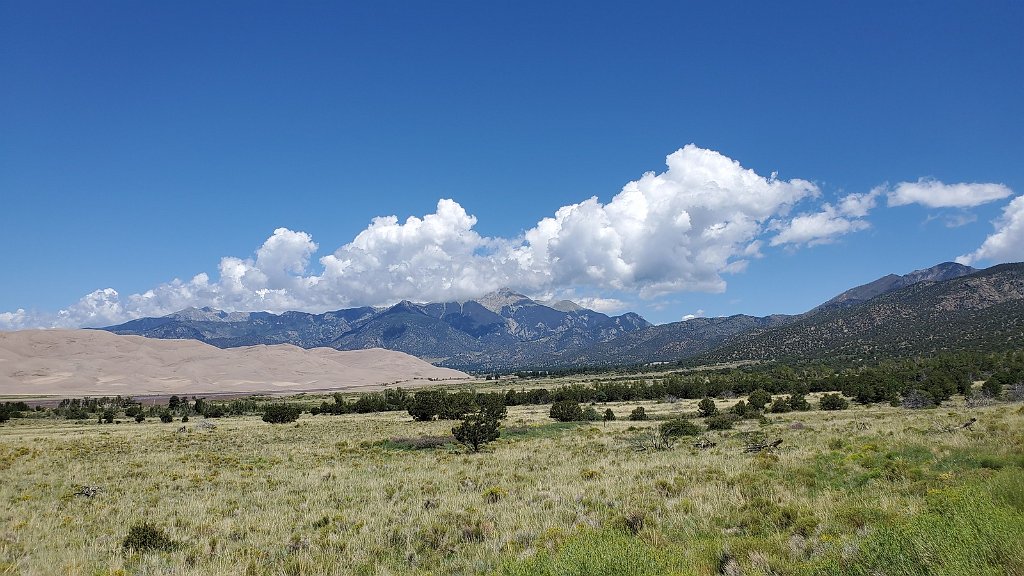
pixel 93 362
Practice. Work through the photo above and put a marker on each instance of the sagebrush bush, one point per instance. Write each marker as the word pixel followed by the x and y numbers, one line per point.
pixel 281 413
pixel 679 427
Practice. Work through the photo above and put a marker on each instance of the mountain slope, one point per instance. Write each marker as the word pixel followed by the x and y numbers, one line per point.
pixel 502 330
pixel 865 292
pixel 984 310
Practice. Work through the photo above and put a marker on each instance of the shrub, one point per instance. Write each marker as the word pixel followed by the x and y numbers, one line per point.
pixel 741 409
pixel 566 411
pixel 834 402
pixel 609 415
pixel 494 494
pixel 590 414
pixel 425 405
pixel 799 403
pixel 758 398
pixel 281 413
pixel 108 416
pixel 455 406
pixel 5 414
pixel 184 418
pixel 166 417
pixel 707 408
pixel 145 536
pixel 780 406
pixel 638 414
pixel 476 430
pixel 140 417
pixel 721 422
pixel 214 411
pixel 679 427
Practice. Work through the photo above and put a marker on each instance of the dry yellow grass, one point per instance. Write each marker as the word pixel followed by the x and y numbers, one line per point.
pixel 324 496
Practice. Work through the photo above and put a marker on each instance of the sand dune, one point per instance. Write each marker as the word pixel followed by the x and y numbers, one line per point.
pixel 93 362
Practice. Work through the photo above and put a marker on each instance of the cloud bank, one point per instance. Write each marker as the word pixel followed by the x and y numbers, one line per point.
pixel 681 230
pixel 1006 244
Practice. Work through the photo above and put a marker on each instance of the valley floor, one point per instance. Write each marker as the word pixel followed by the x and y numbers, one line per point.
pixel 869 490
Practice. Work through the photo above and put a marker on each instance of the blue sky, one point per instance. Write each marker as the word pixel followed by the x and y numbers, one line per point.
pixel 146 142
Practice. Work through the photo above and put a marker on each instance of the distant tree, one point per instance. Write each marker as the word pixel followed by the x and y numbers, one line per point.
pixel 476 430
pixel 638 414
pixel 740 409
pixel 566 411
pixel 707 408
pixel 282 413
pixel 184 418
pixel 758 398
pixel 174 402
pixel 492 406
pixel 166 417
pixel 799 402
pixel 455 406
pixel 590 414
pixel 108 416
pixel 140 418
pixel 5 414
pixel 425 405
pixel 780 406
pixel 609 415
pixel 834 402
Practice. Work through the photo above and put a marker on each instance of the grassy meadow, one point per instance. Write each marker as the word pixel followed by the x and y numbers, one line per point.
pixel 870 490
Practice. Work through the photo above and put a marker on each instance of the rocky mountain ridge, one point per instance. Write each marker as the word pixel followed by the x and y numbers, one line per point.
pixel 505 330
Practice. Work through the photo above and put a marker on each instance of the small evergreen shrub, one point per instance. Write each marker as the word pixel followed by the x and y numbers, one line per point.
pixel 799 403
pixel 590 414
pixel 140 418
pixel 707 408
pixel 609 415
pixel 758 398
pixel 476 430
pixel 638 414
pixel 166 417
pixel 566 411
pixel 780 406
pixel 108 416
pixel 281 413
pixel 834 401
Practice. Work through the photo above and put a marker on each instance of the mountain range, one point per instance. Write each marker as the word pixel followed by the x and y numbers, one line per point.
pixel 502 330
pixel 942 307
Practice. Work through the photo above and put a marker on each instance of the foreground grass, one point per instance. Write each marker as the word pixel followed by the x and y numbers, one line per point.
pixel 867 491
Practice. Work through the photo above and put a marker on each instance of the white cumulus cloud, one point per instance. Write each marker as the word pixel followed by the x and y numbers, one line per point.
pixel 828 223
pixel 1006 244
pixel 935 194
pixel 704 217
